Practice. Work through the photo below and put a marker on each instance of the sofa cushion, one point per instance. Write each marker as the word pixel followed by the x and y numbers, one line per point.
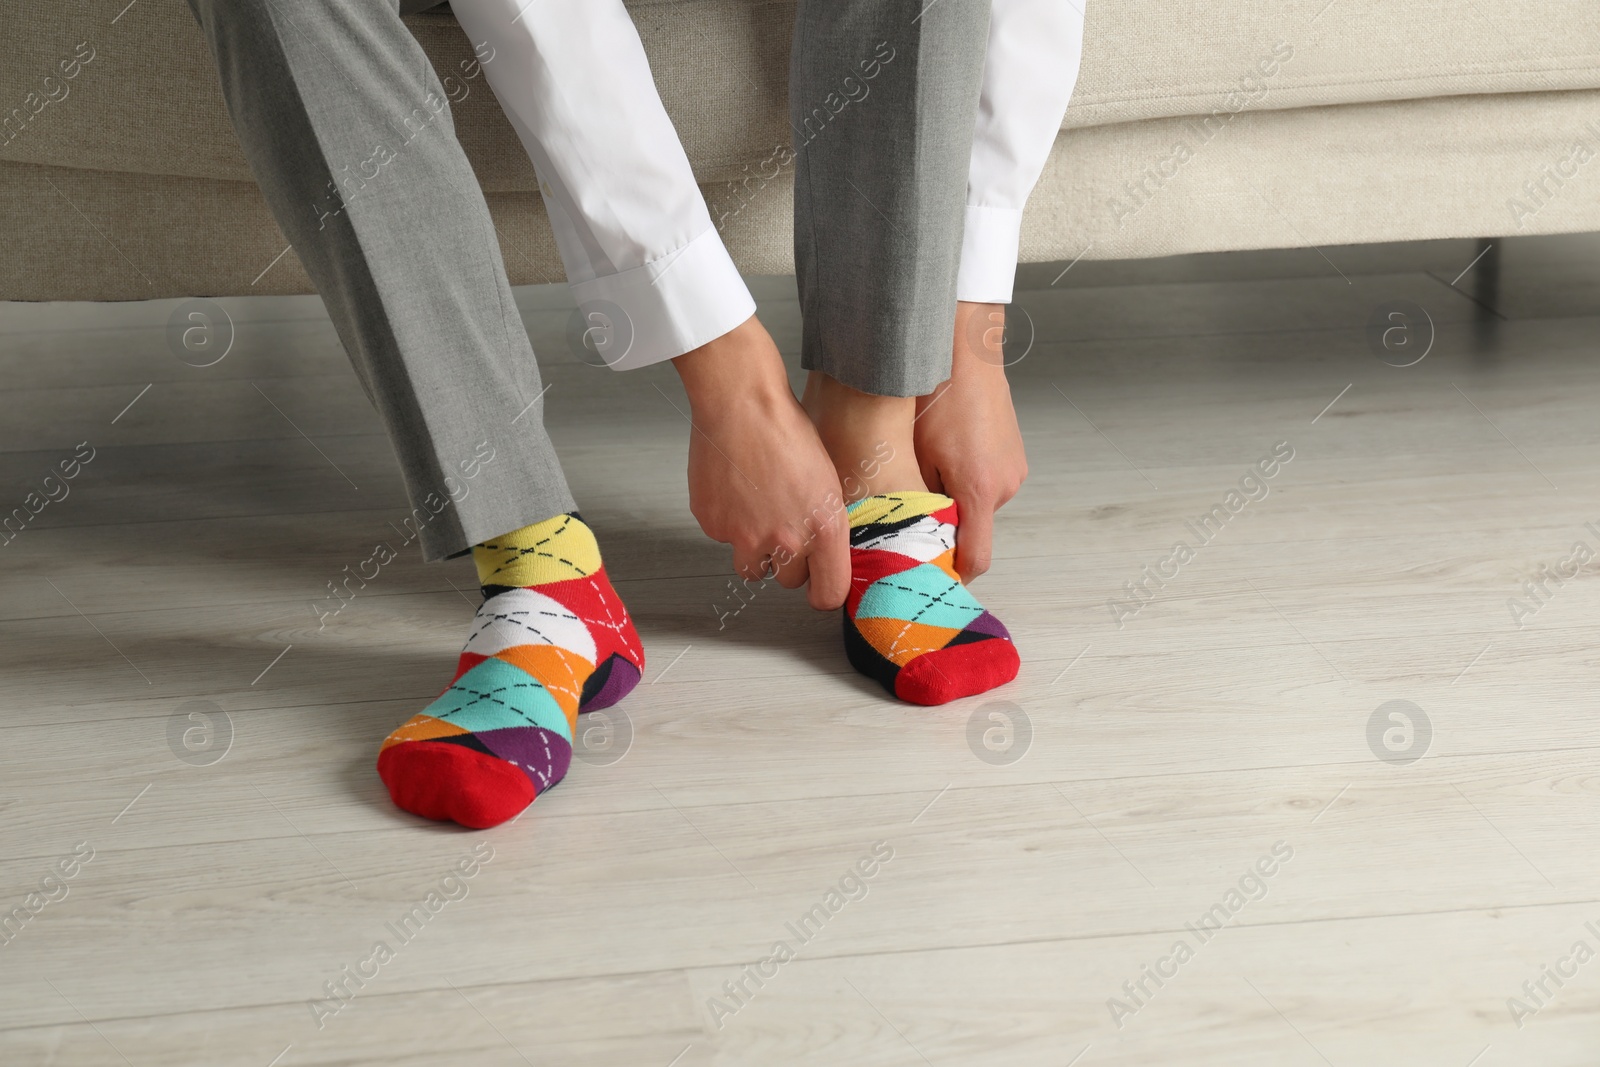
pixel 148 102
pixel 1184 57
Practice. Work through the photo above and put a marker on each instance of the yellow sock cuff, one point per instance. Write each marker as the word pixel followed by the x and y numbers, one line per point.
pixel 892 507
pixel 549 551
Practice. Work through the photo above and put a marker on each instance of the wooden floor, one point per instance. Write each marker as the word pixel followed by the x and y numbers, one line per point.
pixel 170 708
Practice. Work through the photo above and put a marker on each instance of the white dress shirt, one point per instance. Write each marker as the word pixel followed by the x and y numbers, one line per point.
pixel 629 220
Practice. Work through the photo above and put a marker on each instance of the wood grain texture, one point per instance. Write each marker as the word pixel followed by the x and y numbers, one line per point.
pixel 1161 759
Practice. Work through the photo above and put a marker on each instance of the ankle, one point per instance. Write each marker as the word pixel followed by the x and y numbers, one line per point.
pixel 554 550
pixel 869 438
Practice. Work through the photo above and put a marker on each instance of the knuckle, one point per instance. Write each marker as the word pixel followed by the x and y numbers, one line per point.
pixel 981 487
pixel 746 543
pixel 786 545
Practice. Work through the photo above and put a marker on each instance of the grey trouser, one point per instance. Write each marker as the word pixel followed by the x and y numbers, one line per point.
pixel 348 132
pixel 883 150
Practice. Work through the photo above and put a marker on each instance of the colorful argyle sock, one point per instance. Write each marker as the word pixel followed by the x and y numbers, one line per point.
pixel 552 639
pixel 909 622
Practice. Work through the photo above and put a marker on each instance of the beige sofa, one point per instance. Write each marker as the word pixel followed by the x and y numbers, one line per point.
pixel 1382 121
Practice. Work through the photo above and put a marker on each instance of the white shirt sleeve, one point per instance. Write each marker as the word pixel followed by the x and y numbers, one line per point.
pixel 629 220
pixel 1029 72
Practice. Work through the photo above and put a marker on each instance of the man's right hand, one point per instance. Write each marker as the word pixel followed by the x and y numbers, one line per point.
pixel 967 439
pixel 759 478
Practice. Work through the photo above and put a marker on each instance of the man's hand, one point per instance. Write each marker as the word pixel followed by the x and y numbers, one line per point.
pixel 758 476
pixel 968 444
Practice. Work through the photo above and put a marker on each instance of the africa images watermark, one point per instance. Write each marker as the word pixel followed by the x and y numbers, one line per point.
pixel 831 507
pixel 1252 90
pixel 199 732
pixel 1399 732
pixel 1251 887
pixel 383 553
pixel 851 886
pixel 1537 990
pixel 341 989
pixel 1152 580
pixel 53 888
pixel 1538 193
pixel 54 490
pixel 52 90
pixel 1537 590
pixel 851 90
pixel 347 187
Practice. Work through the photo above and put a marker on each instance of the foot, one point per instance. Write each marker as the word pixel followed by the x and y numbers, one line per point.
pixel 551 639
pixel 909 622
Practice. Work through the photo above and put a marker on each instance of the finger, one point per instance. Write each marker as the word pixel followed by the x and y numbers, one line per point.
pixel 751 561
pixel 1009 489
pixel 794 571
pixel 974 537
pixel 830 568
pixel 930 475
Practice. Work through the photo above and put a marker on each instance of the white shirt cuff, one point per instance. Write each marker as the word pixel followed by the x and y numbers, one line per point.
pixel 668 306
pixel 989 245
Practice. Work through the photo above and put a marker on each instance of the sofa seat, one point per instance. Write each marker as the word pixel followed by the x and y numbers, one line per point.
pixel 1308 122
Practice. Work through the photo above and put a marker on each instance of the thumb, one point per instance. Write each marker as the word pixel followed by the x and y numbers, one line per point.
pixel 974 537
pixel 830 569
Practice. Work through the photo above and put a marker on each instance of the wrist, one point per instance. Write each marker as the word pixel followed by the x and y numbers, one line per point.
pixel 980 335
pixel 742 365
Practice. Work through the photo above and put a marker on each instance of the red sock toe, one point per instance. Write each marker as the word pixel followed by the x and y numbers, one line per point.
pixel 957 671
pixel 438 780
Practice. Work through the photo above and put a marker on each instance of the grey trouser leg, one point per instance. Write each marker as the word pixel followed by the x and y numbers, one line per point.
pixel 883 98
pixel 349 134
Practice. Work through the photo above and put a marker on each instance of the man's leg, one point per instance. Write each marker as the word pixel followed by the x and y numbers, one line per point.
pixel 347 130
pixel 967 439
pixel 883 97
